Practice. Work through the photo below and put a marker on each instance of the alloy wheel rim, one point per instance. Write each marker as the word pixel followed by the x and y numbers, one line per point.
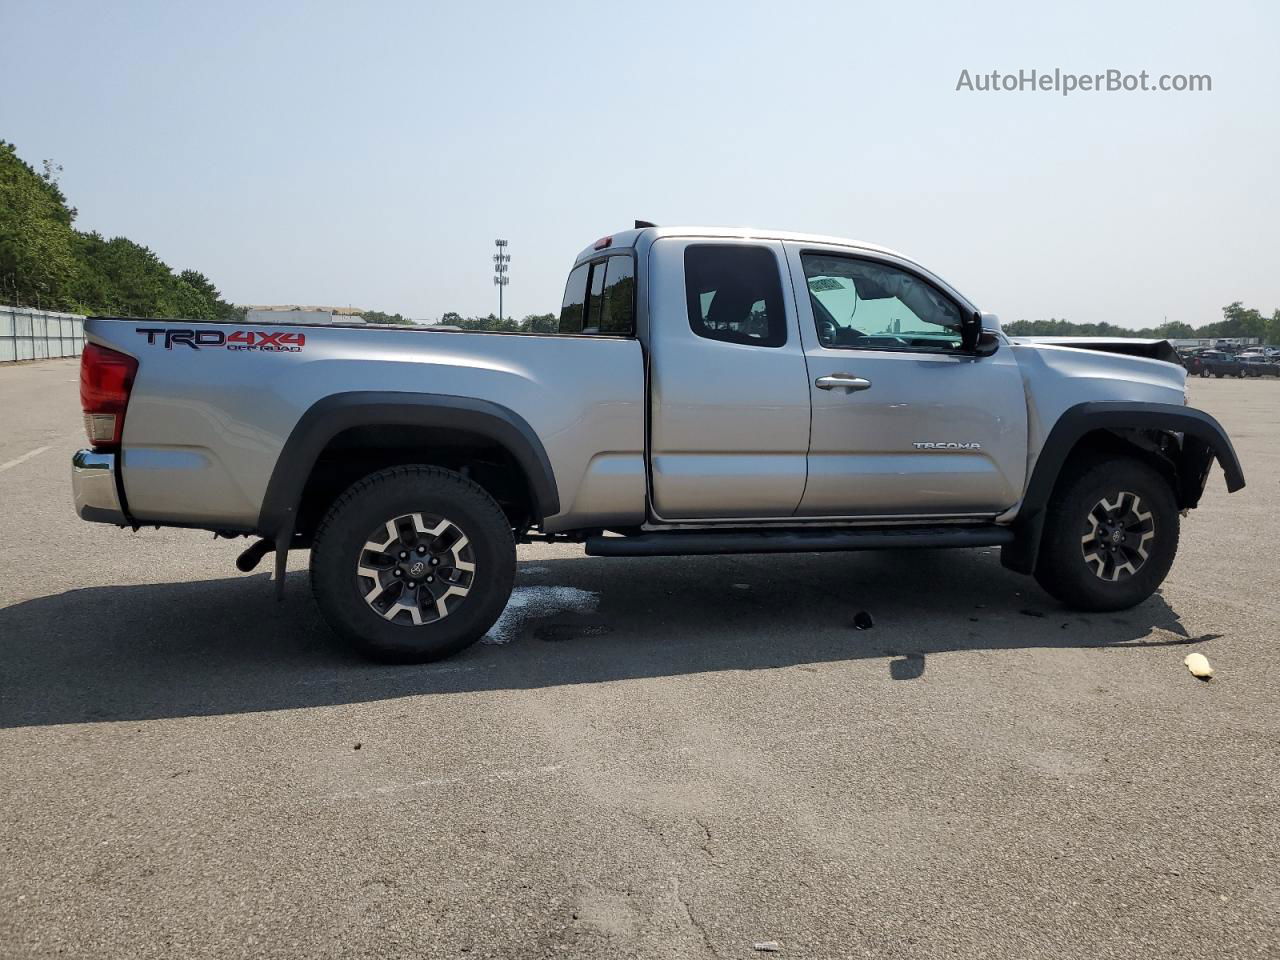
pixel 1118 537
pixel 415 569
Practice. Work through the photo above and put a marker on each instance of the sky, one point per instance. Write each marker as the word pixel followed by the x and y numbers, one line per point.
pixel 368 154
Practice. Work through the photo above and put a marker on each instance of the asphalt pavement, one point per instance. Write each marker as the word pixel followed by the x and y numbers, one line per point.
pixel 647 758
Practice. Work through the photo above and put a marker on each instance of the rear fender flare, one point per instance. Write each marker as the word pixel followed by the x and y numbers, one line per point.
pixel 331 416
pixel 1203 441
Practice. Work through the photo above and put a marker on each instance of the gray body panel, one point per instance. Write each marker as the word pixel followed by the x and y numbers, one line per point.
pixel 668 428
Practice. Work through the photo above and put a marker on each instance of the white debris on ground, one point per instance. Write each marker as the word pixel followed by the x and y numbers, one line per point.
pixel 767 946
pixel 529 603
pixel 1199 666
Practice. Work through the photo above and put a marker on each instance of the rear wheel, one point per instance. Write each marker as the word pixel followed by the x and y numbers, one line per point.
pixel 412 564
pixel 1110 535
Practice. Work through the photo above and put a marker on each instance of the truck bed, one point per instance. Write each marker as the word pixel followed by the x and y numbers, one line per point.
pixel 214 404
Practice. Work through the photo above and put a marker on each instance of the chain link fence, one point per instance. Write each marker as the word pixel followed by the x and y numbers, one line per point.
pixel 39 334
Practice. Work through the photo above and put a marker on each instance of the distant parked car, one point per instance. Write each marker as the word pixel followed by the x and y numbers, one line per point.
pixel 1215 363
pixel 1257 366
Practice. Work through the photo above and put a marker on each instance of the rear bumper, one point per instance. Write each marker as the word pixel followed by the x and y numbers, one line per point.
pixel 94 487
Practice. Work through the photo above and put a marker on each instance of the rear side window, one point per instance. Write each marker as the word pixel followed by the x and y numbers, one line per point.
pixel 595 297
pixel 618 308
pixel 600 298
pixel 734 294
pixel 575 297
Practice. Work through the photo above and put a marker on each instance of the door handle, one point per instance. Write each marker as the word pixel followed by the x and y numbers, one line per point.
pixel 842 381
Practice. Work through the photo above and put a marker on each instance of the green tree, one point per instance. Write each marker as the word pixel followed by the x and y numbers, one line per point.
pixel 120 276
pixel 37 244
pixel 540 323
pixel 377 316
pixel 1242 322
pixel 491 322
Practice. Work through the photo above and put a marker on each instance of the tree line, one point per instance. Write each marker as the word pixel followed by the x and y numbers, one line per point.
pixel 1237 321
pixel 533 323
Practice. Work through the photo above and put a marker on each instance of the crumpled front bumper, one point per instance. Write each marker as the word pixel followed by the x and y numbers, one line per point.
pixel 95 489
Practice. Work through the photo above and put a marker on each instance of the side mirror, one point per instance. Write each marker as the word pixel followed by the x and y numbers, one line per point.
pixel 988 343
pixel 975 340
pixel 971 331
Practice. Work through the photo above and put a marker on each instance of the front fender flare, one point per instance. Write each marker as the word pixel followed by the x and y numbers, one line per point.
pixel 1203 440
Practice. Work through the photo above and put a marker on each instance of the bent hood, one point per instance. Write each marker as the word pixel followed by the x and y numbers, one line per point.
pixel 1127 346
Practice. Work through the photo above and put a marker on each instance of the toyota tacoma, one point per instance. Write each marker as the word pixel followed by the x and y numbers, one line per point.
pixel 707 391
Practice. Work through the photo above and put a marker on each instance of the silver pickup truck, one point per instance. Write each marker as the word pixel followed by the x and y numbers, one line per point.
pixel 707 391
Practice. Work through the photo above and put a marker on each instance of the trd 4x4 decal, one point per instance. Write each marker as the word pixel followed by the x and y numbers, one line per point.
pixel 236 340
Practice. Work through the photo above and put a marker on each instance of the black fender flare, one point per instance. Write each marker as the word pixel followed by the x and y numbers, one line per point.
pixel 328 417
pixel 1203 441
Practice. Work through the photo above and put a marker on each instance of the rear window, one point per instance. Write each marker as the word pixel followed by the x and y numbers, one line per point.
pixel 600 298
pixel 734 294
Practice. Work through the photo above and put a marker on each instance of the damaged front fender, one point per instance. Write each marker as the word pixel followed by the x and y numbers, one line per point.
pixel 1202 441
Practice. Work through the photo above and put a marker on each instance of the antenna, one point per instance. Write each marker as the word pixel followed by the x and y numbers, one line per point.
pixel 501 260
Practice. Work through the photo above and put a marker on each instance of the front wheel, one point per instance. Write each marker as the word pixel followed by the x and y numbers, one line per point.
pixel 1110 535
pixel 412 564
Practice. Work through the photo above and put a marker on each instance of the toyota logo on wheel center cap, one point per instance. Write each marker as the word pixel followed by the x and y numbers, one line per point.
pixel 418 568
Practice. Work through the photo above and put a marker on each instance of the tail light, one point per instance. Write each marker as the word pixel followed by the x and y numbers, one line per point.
pixel 106 377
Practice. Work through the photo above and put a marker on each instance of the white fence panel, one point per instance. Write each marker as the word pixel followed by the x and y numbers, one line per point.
pixel 39 334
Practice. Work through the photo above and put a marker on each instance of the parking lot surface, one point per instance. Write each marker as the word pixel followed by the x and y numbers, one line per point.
pixel 649 758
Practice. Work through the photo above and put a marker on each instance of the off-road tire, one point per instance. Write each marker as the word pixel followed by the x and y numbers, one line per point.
pixel 338 552
pixel 1062 567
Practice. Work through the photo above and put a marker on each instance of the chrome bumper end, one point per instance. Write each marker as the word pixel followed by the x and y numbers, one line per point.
pixel 93 487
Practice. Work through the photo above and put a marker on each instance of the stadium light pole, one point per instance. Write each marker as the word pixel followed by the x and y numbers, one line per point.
pixel 501 260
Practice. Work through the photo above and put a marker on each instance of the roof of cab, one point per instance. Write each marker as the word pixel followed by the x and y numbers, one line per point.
pixel 643 237
pixel 624 239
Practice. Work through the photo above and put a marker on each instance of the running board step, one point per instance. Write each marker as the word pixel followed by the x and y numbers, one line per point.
pixel 685 543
